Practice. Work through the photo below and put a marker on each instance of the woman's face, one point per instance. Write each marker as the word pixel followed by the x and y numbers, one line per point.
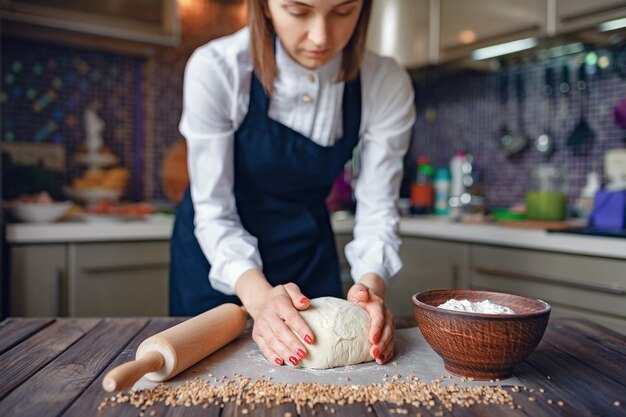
pixel 314 31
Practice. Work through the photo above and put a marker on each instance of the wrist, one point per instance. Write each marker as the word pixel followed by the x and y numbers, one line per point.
pixel 252 288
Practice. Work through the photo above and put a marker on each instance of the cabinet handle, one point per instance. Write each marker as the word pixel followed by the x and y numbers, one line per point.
pixel 118 268
pixel 58 286
pixel 577 285
pixel 454 276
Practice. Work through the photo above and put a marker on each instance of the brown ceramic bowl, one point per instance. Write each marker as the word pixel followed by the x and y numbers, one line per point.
pixel 481 346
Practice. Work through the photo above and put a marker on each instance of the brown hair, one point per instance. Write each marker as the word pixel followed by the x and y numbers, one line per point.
pixel 262 37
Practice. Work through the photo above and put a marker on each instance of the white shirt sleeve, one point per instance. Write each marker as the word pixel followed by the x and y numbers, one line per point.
pixel 207 123
pixel 384 143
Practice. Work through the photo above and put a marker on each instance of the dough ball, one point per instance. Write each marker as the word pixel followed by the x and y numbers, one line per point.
pixel 341 331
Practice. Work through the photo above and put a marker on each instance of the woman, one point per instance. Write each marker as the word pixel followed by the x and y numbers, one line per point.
pixel 271 115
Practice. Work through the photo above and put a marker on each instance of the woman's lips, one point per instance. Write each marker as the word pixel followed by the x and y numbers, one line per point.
pixel 317 54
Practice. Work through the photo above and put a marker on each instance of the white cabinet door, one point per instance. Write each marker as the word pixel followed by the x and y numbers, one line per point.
pixel 38 280
pixel 118 279
pixel 400 29
pixel 579 14
pixel 467 25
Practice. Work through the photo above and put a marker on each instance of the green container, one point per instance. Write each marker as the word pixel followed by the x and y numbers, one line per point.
pixel 546 205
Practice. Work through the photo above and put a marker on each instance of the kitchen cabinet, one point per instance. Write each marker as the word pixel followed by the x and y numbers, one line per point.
pixel 38 280
pixel 467 25
pixel 579 14
pixel 428 264
pixel 118 279
pixel 578 286
pixel 90 279
pixel 127 26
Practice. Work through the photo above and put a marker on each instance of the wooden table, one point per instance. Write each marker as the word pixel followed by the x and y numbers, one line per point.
pixel 54 367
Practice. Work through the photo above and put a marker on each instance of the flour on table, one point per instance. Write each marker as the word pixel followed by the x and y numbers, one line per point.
pixel 485 307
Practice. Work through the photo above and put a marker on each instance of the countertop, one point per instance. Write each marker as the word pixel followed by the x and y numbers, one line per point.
pixel 160 228
pixel 54 367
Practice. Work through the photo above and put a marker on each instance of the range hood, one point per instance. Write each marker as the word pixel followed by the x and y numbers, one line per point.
pixel 404 30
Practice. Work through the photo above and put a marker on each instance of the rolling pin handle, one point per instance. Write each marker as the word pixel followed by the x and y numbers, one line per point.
pixel 127 374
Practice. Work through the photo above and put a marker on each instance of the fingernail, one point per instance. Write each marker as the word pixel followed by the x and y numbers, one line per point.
pixel 293 360
pixel 375 338
pixel 304 300
pixel 363 289
pixel 376 352
pixel 308 339
pixel 300 353
pixel 278 361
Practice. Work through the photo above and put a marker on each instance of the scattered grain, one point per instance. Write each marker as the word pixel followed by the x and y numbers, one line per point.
pixel 250 392
pixel 560 403
pixel 616 403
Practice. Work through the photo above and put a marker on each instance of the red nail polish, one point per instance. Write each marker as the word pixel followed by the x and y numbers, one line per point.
pixel 308 339
pixel 376 352
pixel 300 353
pixel 375 338
pixel 304 300
pixel 278 361
pixel 293 360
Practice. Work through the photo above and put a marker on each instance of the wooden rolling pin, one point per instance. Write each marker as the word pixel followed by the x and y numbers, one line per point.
pixel 170 352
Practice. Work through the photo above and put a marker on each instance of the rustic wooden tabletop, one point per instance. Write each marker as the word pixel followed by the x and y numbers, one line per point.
pixel 54 367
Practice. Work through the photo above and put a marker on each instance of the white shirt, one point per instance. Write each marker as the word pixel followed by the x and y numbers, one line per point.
pixel 215 100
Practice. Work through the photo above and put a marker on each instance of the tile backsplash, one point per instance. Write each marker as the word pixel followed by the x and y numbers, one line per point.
pixel 463 112
pixel 45 89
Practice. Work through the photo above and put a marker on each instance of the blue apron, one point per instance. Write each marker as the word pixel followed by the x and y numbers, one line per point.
pixel 281 182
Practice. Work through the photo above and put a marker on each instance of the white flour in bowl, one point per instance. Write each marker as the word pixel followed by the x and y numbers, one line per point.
pixel 485 307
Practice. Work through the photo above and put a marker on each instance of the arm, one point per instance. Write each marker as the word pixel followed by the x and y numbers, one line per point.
pixel 373 254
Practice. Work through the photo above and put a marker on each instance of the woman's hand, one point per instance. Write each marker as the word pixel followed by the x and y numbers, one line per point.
pixel 369 293
pixel 275 313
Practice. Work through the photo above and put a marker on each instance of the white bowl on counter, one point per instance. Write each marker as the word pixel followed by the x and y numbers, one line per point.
pixel 39 212
pixel 93 195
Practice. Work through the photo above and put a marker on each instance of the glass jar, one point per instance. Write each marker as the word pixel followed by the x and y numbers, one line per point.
pixel 546 198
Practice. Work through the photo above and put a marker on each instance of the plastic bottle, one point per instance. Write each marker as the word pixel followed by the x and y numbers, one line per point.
pixel 441 185
pixel 422 192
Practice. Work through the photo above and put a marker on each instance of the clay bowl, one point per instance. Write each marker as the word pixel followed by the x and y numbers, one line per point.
pixel 481 346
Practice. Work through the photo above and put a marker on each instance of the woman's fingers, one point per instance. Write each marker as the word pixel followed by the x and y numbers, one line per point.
pixel 299 300
pixel 272 340
pixel 268 352
pixel 358 293
pixel 293 319
pixel 387 338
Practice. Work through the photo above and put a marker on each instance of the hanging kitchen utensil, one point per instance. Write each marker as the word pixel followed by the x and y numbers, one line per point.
pixel 564 89
pixel 504 133
pixel 545 141
pixel 518 142
pixel 581 138
pixel 619 115
pixel 619 58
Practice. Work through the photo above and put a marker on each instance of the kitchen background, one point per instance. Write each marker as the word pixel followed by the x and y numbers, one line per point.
pixel 69 67
pixel 46 88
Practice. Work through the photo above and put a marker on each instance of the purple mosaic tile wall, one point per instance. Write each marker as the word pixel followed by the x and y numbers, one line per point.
pixel 469 115
pixel 46 88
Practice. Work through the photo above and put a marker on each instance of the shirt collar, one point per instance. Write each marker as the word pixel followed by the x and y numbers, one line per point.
pixel 286 65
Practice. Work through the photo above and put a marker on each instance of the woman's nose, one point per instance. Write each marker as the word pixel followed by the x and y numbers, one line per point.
pixel 318 32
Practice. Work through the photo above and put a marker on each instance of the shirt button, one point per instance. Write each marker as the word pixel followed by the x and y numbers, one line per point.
pixel 307 98
pixel 311 77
